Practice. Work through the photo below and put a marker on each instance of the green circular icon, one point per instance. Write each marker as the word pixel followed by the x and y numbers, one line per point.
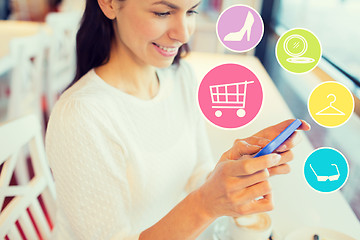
pixel 298 50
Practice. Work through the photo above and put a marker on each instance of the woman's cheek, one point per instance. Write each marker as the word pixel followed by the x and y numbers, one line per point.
pixel 191 27
pixel 151 29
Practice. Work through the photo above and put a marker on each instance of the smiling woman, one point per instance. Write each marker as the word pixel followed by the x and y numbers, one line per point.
pixel 126 142
pixel 151 21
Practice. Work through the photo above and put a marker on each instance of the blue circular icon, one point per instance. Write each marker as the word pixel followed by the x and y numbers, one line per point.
pixel 326 170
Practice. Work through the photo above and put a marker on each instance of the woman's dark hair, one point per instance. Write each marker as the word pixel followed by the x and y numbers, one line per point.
pixel 93 41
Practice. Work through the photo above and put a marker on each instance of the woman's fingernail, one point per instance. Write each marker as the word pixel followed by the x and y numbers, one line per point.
pixel 267 172
pixel 282 148
pixel 275 158
pixel 264 141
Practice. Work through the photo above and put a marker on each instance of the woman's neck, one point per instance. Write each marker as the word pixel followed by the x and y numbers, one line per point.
pixel 122 71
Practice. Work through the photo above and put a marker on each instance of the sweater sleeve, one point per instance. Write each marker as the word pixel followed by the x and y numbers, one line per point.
pixel 88 165
pixel 205 160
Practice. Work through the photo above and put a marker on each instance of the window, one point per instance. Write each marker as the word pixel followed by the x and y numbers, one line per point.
pixel 336 24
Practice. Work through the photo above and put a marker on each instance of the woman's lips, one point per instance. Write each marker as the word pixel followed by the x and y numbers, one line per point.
pixel 166 51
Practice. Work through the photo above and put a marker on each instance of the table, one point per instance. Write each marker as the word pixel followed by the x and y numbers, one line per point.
pixel 296 205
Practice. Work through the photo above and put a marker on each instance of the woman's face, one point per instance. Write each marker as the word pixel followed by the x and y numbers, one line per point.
pixel 152 31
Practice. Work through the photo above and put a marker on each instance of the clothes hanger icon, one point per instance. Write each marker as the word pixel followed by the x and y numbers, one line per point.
pixel 334 110
pixel 324 178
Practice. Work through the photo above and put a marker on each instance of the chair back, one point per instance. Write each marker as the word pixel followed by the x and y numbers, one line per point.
pixel 7 65
pixel 22 76
pixel 10 30
pixel 30 213
pixel 28 75
pixel 62 54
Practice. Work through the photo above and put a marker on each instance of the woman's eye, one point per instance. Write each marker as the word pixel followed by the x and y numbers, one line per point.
pixel 192 12
pixel 162 14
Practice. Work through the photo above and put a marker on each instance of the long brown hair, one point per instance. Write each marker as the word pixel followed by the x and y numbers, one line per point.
pixel 93 41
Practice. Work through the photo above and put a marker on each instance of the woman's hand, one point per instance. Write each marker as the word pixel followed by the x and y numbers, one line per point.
pixel 238 178
pixel 271 132
pixel 268 134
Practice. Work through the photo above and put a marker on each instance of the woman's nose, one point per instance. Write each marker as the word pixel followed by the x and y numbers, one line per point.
pixel 181 29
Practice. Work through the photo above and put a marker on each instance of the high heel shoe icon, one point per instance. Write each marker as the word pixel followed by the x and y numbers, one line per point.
pixel 238 36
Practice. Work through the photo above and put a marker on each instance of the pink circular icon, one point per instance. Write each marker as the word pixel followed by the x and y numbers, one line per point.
pixel 230 96
pixel 240 28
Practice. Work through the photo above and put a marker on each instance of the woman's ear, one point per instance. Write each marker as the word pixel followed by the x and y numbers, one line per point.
pixel 108 8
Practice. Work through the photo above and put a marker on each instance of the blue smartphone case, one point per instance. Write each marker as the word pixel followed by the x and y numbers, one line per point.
pixel 274 144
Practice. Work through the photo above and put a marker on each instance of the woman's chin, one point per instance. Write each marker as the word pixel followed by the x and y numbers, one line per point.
pixel 164 63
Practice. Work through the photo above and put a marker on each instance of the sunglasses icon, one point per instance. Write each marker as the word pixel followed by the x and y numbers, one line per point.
pixel 324 178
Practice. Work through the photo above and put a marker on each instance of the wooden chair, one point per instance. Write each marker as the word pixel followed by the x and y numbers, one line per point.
pixel 31 212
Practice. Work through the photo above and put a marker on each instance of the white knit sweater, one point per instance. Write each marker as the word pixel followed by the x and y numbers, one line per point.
pixel 121 163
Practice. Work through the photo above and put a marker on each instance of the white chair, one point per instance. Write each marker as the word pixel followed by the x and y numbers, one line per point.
pixel 62 54
pixel 13 136
pixel 28 76
pixel 26 87
pixel 10 30
pixel 6 66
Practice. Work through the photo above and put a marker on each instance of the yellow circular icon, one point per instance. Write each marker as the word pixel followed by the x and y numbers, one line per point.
pixel 331 104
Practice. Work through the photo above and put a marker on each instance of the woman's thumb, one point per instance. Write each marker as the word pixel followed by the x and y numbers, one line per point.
pixel 242 147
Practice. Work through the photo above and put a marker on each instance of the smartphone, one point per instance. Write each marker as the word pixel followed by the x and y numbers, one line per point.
pixel 274 144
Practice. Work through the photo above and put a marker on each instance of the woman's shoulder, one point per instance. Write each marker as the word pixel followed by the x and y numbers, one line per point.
pixel 85 96
pixel 86 87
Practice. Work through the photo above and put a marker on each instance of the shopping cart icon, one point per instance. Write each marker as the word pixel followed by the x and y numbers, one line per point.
pixel 231 95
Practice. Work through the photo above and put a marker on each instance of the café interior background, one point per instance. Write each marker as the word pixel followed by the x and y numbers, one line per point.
pixel 335 22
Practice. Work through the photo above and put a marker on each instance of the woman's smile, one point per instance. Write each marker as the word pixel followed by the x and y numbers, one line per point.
pixel 166 51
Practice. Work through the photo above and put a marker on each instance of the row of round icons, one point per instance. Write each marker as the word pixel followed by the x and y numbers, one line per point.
pixel 230 95
pixel 297 51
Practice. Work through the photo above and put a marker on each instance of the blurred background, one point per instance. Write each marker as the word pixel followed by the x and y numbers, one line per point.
pixel 335 23
pixel 37 60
